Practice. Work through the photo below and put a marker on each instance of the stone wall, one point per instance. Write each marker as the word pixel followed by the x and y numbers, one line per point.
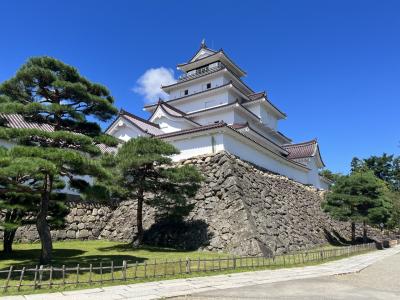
pixel 239 208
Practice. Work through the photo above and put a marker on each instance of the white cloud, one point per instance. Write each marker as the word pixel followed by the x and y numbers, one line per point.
pixel 149 84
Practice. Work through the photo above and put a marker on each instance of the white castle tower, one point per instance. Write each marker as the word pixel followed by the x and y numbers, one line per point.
pixel 211 109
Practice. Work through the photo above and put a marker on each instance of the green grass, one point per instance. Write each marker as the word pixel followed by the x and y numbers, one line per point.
pixel 152 264
pixel 70 253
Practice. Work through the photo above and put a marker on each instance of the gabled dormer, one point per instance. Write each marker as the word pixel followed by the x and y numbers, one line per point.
pixel 127 126
pixel 170 119
pixel 203 52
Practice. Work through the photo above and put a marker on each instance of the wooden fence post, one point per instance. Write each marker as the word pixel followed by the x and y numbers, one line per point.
pixel 198 264
pixel 155 266
pixel 77 275
pixel 124 270
pixel 63 275
pixel 21 278
pixel 145 269
pixel 187 265
pixel 135 272
pixel 234 262
pixel 180 266
pixel 8 279
pixel 51 277
pixel 112 270
pixel 90 273
pixel 101 272
pixel 40 275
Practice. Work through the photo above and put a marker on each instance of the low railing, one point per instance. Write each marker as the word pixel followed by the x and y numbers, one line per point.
pixel 47 277
pixel 200 73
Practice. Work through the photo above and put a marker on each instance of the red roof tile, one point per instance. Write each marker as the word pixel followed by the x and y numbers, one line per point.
pixel 18 121
pixel 256 96
pixel 301 150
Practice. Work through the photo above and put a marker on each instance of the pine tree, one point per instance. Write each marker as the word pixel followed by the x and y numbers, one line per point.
pixel 144 167
pixel 47 91
pixel 359 197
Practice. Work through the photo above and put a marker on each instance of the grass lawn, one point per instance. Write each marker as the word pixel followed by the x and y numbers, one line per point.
pixel 144 264
pixel 70 253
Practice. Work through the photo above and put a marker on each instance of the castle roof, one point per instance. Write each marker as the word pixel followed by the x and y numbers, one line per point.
pixel 205 56
pixel 304 150
pixel 171 111
pixel 20 122
pixel 140 123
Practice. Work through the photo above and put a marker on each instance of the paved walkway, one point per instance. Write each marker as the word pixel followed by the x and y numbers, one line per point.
pixel 181 287
pixel 380 281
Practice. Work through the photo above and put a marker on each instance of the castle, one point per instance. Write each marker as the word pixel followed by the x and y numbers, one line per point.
pixel 211 109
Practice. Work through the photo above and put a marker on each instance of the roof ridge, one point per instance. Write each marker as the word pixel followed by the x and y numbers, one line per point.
pixel 122 112
pixel 194 94
pixel 313 141
pixel 195 129
pixel 172 107
pixel 183 115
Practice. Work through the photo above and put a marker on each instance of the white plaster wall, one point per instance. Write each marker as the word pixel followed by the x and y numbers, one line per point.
pixel 198 86
pixel 168 125
pixel 200 103
pixel 313 175
pixel 262 159
pixel 197 146
pixel 127 132
pixel 254 108
pixel 228 116
pixel 324 185
pixel 267 118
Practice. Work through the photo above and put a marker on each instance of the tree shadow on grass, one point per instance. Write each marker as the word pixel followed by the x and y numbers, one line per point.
pixel 150 248
pixel 69 257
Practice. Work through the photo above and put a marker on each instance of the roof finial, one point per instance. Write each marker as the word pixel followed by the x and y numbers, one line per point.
pixel 203 43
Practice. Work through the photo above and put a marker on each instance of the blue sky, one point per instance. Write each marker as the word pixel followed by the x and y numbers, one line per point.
pixel 332 66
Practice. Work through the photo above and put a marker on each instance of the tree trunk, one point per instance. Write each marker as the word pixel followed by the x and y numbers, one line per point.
pixel 8 240
pixel 41 222
pixel 365 232
pixel 353 232
pixel 139 219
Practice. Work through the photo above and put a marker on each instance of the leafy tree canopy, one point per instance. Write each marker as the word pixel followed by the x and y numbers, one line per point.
pixel 48 91
pixel 330 175
pixel 359 197
pixel 385 167
pixel 144 171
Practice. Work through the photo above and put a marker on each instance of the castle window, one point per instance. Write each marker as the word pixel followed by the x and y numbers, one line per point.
pixel 209 85
pixel 186 92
